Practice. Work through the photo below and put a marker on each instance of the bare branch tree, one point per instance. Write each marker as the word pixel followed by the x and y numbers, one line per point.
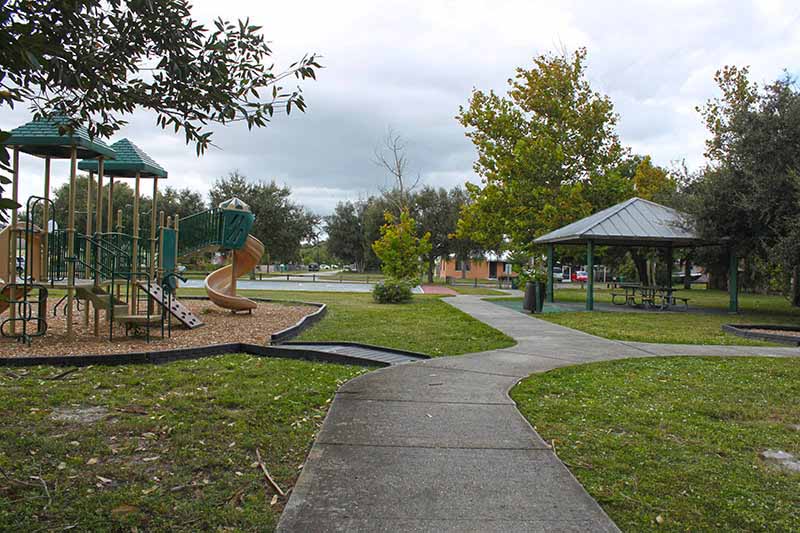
pixel 391 156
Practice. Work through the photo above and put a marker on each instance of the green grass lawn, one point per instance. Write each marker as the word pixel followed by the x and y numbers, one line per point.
pixel 676 440
pixel 426 324
pixel 680 328
pixel 172 447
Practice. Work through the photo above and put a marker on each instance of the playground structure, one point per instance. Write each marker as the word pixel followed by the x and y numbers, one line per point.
pixel 131 278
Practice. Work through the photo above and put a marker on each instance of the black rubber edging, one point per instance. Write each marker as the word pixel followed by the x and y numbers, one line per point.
pixel 359 345
pixel 166 356
pixel 291 331
pixel 741 330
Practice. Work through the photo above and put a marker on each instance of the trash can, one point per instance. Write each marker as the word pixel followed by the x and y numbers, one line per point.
pixel 529 297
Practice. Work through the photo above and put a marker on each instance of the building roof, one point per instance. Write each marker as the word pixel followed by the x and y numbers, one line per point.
pixel 130 160
pixel 41 137
pixel 634 222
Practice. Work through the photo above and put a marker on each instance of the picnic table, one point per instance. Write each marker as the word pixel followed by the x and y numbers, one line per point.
pixel 654 297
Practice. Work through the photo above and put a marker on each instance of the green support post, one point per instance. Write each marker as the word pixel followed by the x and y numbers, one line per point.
pixel 669 259
pixel 549 292
pixel 733 283
pixel 590 280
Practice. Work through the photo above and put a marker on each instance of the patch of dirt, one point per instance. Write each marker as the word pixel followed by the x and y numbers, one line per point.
pixel 221 327
pixel 79 415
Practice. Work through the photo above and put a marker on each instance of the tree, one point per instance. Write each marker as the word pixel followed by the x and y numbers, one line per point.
pixel 437 212
pixel 180 203
pixel 749 194
pixel 95 61
pixel 391 156
pixel 280 224
pixel 345 229
pixel 542 150
pixel 399 247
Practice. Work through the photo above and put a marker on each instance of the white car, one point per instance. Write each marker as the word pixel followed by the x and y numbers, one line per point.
pixel 558 274
pixel 324 267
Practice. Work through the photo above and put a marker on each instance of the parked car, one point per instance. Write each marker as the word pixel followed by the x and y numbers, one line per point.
pixel 580 276
pixel 313 267
pixel 324 267
pixel 558 274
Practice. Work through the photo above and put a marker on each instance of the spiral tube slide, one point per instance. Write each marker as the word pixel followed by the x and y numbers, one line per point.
pixel 219 284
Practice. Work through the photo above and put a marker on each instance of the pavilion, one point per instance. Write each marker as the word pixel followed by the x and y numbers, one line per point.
pixel 633 223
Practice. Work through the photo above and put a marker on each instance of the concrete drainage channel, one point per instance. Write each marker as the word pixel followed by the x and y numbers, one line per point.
pixel 332 352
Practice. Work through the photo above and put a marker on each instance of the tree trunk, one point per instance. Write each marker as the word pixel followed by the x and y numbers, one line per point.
pixel 641 268
pixel 687 270
pixel 431 261
pixel 795 287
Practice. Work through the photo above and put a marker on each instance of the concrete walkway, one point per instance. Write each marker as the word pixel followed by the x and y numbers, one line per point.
pixel 439 446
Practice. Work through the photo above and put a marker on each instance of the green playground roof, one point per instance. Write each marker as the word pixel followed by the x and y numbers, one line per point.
pixel 42 138
pixel 130 160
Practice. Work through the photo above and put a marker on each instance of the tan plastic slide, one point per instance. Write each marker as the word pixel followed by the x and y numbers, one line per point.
pixel 220 284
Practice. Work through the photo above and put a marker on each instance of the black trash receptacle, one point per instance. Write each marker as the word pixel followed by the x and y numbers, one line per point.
pixel 529 299
pixel 534 296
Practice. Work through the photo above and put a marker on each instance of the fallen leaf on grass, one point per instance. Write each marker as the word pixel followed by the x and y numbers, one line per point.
pixel 123 510
pixel 92 461
pixel 274 499
pixel 103 479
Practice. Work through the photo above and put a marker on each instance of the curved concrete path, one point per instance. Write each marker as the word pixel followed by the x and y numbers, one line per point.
pixel 439 446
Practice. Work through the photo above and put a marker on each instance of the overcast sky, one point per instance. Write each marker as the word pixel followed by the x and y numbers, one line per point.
pixel 410 65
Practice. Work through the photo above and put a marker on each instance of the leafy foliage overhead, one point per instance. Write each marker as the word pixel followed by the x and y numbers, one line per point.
pixel 96 61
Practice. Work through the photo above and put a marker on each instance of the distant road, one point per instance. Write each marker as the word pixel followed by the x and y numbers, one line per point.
pixel 308 286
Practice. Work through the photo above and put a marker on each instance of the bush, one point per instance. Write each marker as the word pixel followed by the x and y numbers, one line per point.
pixel 392 291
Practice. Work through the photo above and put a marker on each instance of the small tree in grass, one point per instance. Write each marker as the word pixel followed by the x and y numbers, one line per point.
pixel 399 250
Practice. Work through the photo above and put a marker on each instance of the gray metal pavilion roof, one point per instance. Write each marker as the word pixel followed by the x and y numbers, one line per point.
pixel 634 222
pixel 130 160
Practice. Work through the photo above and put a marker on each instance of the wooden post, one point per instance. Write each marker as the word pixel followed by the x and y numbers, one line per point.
pixel 135 251
pixel 12 239
pixel 550 256
pixel 590 276
pixel 111 202
pixel 87 253
pixel 46 215
pixel 71 239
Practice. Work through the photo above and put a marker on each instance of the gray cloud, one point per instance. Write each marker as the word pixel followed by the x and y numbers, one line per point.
pixel 411 66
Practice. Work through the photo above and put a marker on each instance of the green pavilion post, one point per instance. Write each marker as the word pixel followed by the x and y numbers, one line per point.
pixel 549 290
pixel 733 282
pixel 590 277
pixel 669 258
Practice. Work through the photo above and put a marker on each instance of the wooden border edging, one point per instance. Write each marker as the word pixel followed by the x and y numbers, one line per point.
pixel 742 330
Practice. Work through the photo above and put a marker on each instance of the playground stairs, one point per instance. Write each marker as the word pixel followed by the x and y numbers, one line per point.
pixel 176 308
pixel 101 299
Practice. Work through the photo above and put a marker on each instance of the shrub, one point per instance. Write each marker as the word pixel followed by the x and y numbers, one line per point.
pixel 392 291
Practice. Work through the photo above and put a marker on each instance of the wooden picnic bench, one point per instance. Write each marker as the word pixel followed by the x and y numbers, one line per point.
pixel 636 295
